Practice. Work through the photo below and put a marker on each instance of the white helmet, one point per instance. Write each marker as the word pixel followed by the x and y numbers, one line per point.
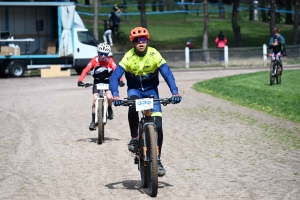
pixel 110 54
pixel 104 48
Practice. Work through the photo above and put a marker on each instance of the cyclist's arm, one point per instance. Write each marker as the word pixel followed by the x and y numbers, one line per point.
pixel 86 70
pixel 114 80
pixel 169 78
pixel 113 66
pixel 271 43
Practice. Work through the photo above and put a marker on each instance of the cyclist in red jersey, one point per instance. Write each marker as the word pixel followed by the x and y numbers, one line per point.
pixel 101 68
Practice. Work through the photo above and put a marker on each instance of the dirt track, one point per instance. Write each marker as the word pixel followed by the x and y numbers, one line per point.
pixel 212 149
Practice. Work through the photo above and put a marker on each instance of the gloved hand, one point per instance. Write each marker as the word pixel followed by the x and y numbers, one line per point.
pixel 176 98
pixel 117 101
pixel 80 84
pixel 121 83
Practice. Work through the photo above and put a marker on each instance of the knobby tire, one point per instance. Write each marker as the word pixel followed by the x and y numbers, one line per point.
pixel 152 164
pixel 143 169
pixel 100 122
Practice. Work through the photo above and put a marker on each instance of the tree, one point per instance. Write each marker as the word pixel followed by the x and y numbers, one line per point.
pixel 221 9
pixel 272 16
pixel 205 31
pixel 296 22
pixel 289 17
pixel 96 19
pixel 143 13
pixel 235 27
pixel 263 11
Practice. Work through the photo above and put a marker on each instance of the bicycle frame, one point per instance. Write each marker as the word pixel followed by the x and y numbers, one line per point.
pixel 101 87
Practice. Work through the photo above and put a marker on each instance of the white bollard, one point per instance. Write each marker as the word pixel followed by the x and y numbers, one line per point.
pixel 187 57
pixel 265 54
pixel 226 56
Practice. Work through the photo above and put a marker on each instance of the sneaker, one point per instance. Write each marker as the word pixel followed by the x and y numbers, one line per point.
pixel 161 169
pixel 92 126
pixel 110 113
pixel 133 145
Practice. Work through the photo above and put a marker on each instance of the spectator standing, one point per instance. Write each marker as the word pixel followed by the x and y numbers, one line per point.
pixel 221 42
pixel 114 20
pixel 107 33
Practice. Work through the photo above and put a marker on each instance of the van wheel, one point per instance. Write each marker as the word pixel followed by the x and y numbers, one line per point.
pixel 16 68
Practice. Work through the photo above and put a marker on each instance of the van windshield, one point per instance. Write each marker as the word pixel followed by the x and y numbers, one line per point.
pixel 86 38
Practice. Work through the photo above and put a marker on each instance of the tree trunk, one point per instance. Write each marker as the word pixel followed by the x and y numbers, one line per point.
pixel 272 16
pixel 96 20
pixel 153 5
pixel 263 12
pixel 235 27
pixel 289 16
pixel 296 24
pixel 161 6
pixel 87 2
pixel 205 32
pixel 170 5
pixel 143 14
pixel 221 9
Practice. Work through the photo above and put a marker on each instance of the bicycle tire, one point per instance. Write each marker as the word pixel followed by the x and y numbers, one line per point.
pixel 271 71
pixel 278 74
pixel 100 122
pixel 152 164
pixel 142 167
pixel 121 38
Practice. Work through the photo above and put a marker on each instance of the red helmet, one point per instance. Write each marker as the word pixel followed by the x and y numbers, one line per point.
pixel 138 32
pixel 276 30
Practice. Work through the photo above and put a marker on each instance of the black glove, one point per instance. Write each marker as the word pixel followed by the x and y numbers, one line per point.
pixel 121 83
pixel 80 84
pixel 176 98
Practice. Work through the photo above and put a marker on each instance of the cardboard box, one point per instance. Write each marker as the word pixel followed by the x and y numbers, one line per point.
pixel 51 47
pixel 6 50
pixel 9 51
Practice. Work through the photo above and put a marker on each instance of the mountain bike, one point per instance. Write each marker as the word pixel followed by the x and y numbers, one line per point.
pixel 147 154
pixel 100 108
pixel 120 37
pixel 275 70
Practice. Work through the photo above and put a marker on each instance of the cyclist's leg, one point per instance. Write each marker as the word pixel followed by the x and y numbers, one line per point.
pixel 109 102
pixel 104 37
pixel 109 37
pixel 272 58
pixel 133 120
pixel 95 95
pixel 279 60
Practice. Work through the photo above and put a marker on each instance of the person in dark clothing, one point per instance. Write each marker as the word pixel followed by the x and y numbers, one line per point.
pixel 114 20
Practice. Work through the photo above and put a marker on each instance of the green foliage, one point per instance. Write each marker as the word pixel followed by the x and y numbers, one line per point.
pixel 253 90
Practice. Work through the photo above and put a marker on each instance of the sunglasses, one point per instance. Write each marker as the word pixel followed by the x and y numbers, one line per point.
pixel 102 54
pixel 141 40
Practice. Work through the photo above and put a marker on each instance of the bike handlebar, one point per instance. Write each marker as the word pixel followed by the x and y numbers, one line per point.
pixel 130 102
pixel 269 54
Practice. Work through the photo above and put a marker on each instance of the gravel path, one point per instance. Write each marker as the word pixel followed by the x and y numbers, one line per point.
pixel 212 148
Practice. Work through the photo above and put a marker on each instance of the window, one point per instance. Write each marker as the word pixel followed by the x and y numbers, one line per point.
pixel 86 38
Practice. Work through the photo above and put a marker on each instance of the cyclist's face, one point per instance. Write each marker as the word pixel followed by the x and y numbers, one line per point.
pixel 140 44
pixel 102 56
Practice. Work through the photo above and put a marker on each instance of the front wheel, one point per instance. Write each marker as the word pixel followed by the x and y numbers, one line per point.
pixel 100 122
pixel 152 164
pixel 271 71
pixel 142 165
pixel 16 68
pixel 121 38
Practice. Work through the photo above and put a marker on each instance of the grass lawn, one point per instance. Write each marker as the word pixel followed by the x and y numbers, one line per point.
pixel 253 91
pixel 171 31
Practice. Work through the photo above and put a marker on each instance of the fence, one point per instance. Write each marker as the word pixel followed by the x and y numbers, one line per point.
pixel 235 57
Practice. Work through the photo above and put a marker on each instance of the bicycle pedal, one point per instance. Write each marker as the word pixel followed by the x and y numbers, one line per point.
pixel 136 160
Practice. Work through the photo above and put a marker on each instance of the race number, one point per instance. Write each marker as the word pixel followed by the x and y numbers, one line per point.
pixel 144 104
pixel 102 86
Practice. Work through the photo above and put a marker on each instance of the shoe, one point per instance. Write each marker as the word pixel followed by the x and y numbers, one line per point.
pixel 110 113
pixel 92 126
pixel 161 169
pixel 133 145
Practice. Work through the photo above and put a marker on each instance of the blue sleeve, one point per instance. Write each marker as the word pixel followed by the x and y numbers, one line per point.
pixel 271 41
pixel 282 39
pixel 114 80
pixel 169 78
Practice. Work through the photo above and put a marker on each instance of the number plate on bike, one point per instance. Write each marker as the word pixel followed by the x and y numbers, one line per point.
pixel 102 86
pixel 144 104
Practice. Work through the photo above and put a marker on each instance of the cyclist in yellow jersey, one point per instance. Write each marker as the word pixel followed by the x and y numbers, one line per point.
pixel 141 65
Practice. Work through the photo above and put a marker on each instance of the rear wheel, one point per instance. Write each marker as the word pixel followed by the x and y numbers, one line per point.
pixel 278 75
pixel 152 164
pixel 100 122
pixel 143 166
pixel 16 68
